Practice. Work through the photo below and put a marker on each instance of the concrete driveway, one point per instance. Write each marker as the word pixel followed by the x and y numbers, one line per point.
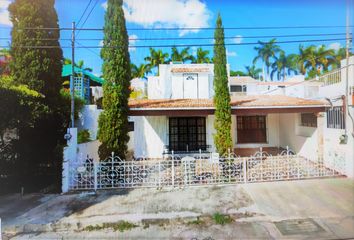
pixel 307 209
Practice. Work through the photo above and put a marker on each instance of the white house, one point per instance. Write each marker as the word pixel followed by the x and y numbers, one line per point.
pixel 179 115
pixel 307 116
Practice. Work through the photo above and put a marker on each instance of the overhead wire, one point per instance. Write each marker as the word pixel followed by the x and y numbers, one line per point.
pixel 190 45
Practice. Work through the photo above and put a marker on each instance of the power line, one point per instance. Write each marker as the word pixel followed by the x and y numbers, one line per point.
pixel 186 45
pixel 83 14
pixel 87 17
pixel 190 38
pixel 89 49
pixel 185 28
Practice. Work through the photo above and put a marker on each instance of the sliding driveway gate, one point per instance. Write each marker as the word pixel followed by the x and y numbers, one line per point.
pixel 182 171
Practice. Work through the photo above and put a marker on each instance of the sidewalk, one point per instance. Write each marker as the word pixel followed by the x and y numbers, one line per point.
pixel 307 209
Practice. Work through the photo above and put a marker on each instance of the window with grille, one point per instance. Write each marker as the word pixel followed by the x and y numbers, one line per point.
pixel 251 129
pixel 308 120
pixel 187 133
pixel 335 118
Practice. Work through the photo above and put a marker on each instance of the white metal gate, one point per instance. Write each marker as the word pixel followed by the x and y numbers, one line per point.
pixel 181 171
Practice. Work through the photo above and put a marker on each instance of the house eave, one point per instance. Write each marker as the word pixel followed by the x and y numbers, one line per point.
pixel 236 110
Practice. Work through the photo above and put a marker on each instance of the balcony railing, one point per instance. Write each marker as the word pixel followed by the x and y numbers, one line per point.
pixel 330 78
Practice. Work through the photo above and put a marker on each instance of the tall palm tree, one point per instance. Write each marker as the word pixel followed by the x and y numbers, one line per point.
pixel 181 56
pixel 338 56
pixel 284 65
pixel 202 56
pixel 324 57
pixel 156 58
pixel 140 71
pixel 306 59
pixel 252 71
pixel 266 51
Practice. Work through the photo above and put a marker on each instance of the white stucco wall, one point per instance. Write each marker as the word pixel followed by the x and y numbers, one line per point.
pixel 150 136
pixel 302 140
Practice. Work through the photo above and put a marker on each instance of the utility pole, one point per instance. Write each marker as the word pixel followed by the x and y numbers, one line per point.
pixel 72 90
pixel 346 104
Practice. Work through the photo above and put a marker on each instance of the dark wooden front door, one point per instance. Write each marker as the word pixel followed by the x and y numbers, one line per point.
pixel 187 133
pixel 251 129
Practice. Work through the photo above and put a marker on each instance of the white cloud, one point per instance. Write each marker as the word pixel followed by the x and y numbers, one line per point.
pixel 167 13
pixel 334 46
pixel 238 39
pixel 100 43
pixel 4 13
pixel 231 53
pixel 132 41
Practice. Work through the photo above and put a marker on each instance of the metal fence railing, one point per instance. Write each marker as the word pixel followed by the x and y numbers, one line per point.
pixel 198 169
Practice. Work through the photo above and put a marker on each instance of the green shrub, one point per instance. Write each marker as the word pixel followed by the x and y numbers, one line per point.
pixel 83 136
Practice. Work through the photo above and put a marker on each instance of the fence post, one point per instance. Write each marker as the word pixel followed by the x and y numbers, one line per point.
pixel 185 172
pixel 229 162
pixel 95 175
pixel 200 153
pixel 173 169
pixel 159 174
pixel 112 169
pixel 245 169
pixel 261 161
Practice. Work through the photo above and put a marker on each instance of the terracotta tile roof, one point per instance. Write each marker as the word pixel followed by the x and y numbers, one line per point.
pixel 242 80
pixel 188 70
pixel 237 102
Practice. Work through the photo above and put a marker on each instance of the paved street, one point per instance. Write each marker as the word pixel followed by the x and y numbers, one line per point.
pixel 307 209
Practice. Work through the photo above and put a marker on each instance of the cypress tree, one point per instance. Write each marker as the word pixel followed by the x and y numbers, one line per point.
pixel 222 124
pixel 113 121
pixel 38 68
pixel 40 144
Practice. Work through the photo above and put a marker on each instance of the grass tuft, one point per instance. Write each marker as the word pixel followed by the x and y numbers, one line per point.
pixel 222 219
pixel 118 226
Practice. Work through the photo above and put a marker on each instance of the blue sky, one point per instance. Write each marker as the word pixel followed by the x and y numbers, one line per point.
pixel 199 13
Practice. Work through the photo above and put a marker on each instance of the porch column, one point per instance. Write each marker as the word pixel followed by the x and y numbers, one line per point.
pixel 320 126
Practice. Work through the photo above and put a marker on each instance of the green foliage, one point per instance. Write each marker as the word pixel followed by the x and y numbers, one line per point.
pixel 156 58
pixel 237 73
pixel 202 56
pixel 38 68
pixel 222 219
pixel 65 105
pixel 120 226
pixel 19 105
pixel 83 136
pixel 113 121
pixel 253 71
pixel 266 52
pixel 222 123
pixel 181 56
pixel 140 71
pixel 40 140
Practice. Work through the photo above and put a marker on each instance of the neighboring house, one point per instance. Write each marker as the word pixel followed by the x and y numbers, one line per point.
pixel 82 82
pixel 179 116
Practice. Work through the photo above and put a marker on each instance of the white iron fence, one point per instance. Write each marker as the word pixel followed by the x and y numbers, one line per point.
pixel 178 171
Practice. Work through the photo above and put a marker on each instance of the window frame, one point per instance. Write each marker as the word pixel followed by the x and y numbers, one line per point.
pixel 308 120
